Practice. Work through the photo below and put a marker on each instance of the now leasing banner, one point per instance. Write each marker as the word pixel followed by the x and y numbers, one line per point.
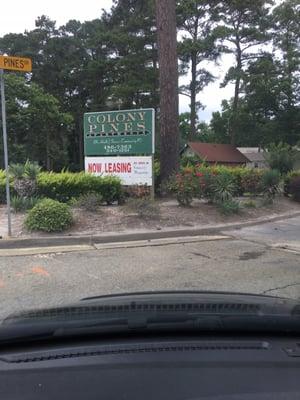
pixel 131 170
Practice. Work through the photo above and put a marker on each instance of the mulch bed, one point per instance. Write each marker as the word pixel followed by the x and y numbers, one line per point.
pixel 168 215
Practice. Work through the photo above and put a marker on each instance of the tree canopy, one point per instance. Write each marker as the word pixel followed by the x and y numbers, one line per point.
pixel 112 62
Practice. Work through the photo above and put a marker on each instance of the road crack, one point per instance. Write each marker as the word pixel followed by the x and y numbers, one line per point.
pixel 201 255
pixel 280 287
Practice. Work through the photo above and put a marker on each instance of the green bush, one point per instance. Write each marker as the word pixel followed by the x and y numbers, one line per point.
pixel 281 157
pixel 144 207
pixel 294 188
pixel 3 187
pixel 215 182
pixel 89 201
pixel 288 178
pixel 229 207
pixel 49 216
pixel 24 178
pixel 137 191
pixel 20 204
pixel 223 187
pixel 249 204
pixel 270 184
pixel 65 186
pixel 251 181
pixel 31 170
pixel 190 161
pixel 184 185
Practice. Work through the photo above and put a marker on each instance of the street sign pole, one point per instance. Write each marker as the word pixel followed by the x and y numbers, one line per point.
pixel 5 151
pixel 152 189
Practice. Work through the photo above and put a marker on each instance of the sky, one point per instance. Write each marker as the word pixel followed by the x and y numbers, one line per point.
pixel 17 16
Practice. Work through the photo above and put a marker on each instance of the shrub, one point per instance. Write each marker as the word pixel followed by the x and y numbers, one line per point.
pixel 289 177
pixel 249 204
pixel 49 216
pixel 66 185
pixel 251 181
pixel 270 183
pixel 281 157
pixel 223 188
pixel 184 185
pixel 294 188
pixel 20 204
pixel 229 207
pixel 215 183
pixel 17 171
pixel 205 180
pixel 137 191
pixel 190 161
pixel 24 178
pixel 144 207
pixel 3 192
pixel 89 201
pixel 31 170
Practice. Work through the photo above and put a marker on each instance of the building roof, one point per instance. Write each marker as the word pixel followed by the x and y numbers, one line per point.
pixel 256 157
pixel 254 154
pixel 245 150
pixel 213 152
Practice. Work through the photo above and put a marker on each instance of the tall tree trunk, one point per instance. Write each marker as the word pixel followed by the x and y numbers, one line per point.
pixel 79 130
pixel 154 94
pixel 168 83
pixel 193 97
pixel 235 105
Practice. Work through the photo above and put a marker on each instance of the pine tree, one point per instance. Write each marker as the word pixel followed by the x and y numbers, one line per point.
pixel 168 83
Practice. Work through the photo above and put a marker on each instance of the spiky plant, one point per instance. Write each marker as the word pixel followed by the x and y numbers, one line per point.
pixel 31 170
pixel 223 188
pixel 24 177
pixel 17 171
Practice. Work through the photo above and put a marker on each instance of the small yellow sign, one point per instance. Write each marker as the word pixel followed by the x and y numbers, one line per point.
pixel 16 63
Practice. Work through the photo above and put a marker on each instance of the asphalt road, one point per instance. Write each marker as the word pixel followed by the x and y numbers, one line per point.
pixel 246 262
pixel 273 233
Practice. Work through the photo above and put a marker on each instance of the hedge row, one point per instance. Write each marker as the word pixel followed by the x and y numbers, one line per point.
pixel 3 188
pixel 65 186
pixel 220 184
pixel 292 185
pixel 246 180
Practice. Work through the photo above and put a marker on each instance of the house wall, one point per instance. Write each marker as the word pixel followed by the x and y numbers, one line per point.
pixel 188 152
pixel 257 164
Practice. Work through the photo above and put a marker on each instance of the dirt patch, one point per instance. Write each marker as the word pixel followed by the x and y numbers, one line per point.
pixel 170 215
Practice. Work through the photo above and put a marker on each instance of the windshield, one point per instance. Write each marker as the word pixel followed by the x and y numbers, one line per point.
pixel 148 146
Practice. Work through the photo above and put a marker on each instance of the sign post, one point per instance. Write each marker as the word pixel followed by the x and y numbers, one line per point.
pixel 5 151
pixel 12 64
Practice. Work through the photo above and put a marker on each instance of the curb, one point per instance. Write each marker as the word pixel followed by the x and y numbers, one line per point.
pixel 134 235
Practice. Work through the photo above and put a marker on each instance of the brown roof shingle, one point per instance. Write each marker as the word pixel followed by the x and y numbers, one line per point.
pixel 214 152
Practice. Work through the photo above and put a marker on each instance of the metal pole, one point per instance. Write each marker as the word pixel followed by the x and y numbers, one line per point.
pixel 152 189
pixel 5 151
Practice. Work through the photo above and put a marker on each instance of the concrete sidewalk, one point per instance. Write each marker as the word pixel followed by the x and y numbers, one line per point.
pixel 137 235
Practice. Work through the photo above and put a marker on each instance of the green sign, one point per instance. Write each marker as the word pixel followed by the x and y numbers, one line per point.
pixel 129 132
